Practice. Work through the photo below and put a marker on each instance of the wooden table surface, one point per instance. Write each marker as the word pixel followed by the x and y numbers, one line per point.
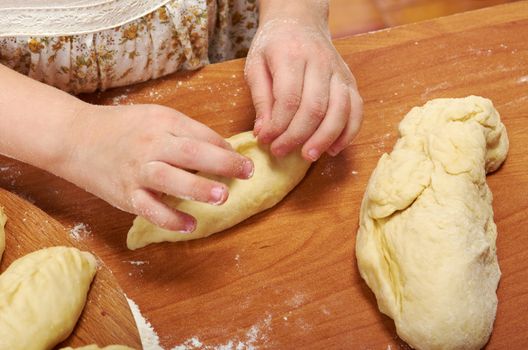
pixel 106 318
pixel 287 278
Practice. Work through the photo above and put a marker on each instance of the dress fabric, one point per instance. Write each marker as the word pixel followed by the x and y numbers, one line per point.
pixel 178 35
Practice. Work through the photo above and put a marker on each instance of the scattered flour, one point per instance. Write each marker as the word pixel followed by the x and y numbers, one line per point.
pixel 517 101
pixel 303 326
pixel 117 100
pixel 136 262
pixel 523 80
pixel 480 51
pixel 10 173
pixel 155 95
pixel 237 261
pixel 325 310
pixel 428 90
pixel 149 337
pixel 80 231
pixel 297 300
pixel 192 343
pixel 257 333
pixel 328 169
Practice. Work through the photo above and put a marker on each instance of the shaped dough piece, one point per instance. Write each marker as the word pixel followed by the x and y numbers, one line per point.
pixel 426 241
pixel 272 180
pixel 41 297
pixel 3 219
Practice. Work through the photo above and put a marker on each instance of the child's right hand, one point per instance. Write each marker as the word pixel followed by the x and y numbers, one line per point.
pixel 127 155
pixel 131 155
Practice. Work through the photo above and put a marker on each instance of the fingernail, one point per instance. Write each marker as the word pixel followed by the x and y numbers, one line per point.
pixel 217 195
pixel 190 225
pixel 313 154
pixel 258 126
pixel 248 168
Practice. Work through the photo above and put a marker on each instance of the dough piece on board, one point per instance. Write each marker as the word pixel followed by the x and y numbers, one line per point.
pixel 426 241
pixel 3 219
pixel 272 180
pixel 42 295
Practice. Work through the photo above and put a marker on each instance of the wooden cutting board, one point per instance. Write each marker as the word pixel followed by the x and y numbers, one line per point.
pixel 106 318
pixel 287 278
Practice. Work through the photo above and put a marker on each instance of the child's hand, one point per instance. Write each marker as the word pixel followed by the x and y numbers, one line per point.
pixel 302 90
pixel 131 155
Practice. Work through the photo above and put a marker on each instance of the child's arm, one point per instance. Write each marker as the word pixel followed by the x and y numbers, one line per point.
pixel 127 155
pixel 302 90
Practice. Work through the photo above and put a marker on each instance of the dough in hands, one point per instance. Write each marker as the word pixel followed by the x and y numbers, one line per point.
pixel 426 241
pixel 273 178
pixel 3 219
pixel 42 295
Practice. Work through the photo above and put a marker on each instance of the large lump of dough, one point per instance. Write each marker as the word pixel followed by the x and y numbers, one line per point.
pixel 3 219
pixel 42 295
pixel 426 241
pixel 273 178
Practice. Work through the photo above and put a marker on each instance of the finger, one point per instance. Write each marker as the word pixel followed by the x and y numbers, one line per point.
pixel 182 125
pixel 192 154
pixel 334 123
pixel 312 111
pixel 288 79
pixel 353 124
pixel 162 177
pixel 259 80
pixel 148 205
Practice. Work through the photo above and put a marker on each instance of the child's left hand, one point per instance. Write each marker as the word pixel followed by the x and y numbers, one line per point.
pixel 302 89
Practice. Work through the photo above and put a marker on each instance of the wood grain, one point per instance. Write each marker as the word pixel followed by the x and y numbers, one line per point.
pixel 106 318
pixel 397 12
pixel 287 278
pixel 348 17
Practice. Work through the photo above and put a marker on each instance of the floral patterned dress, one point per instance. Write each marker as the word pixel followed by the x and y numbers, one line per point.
pixel 182 34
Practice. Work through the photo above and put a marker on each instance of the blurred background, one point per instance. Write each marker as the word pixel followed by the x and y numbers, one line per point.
pixel 348 17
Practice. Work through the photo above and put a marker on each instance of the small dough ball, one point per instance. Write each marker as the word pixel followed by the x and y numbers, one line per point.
pixel 273 178
pixel 42 295
pixel 426 240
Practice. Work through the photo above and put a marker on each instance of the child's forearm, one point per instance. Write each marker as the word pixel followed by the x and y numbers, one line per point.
pixel 126 155
pixel 35 120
